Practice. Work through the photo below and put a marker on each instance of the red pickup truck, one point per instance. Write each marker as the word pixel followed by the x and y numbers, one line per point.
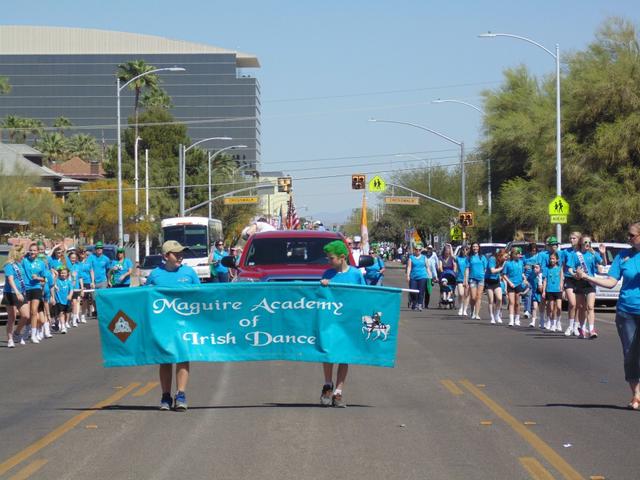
pixel 285 255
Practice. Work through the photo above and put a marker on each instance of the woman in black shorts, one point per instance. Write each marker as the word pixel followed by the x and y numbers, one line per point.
pixel 13 293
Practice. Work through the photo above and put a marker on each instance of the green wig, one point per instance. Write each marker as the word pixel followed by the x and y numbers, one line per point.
pixel 337 247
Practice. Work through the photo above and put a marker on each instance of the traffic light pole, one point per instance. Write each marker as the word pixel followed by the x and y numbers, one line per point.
pixel 202 204
pixel 457 209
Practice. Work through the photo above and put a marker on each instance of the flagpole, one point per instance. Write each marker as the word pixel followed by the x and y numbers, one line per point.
pixel 364 231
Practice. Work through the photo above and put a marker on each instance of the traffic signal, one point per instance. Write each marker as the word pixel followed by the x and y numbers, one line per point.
pixel 284 184
pixel 357 182
pixel 466 219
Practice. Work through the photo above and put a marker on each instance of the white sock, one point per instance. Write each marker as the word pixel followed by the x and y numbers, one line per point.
pixel 571 323
pixel 511 317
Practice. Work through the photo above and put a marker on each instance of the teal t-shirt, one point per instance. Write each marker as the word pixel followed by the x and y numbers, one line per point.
pixel 352 276
pixel 626 266
pixel 161 277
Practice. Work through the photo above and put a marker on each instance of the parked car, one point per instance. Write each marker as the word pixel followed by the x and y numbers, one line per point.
pixel 524 245
pixel 149 263
pixel 109 250
pixel 606 296
pixel 286 255
pixel 486 249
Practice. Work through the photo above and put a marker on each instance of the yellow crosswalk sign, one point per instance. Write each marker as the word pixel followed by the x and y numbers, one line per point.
pixel 377 184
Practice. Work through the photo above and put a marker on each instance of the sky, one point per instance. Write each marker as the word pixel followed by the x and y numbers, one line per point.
pixel 327 67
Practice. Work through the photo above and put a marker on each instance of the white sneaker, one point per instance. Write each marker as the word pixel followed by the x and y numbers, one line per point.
pixel 83 319
pixel 559 326
pixel 511 323
pixel 47 330
pixel 34 337
pixel 517 322
pixel 527 314
pixel 460 312
pixel 493 321
pixel 568 332
pixel 533 323
pixel 74 323
pixel 499 319
pixel 63 330
pixel 576 332
pixel 11 343
pixel 547 325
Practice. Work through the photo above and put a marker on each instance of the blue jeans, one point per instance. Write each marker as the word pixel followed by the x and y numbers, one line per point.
pixel 628 326
pixel 220 277
pixel 374 281
pixel 527 300
pixel 420 285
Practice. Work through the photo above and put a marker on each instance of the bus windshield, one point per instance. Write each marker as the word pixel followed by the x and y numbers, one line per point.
pixel 192 236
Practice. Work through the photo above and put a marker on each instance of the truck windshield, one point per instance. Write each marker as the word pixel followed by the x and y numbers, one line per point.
pixel 192 236
pixel 270 251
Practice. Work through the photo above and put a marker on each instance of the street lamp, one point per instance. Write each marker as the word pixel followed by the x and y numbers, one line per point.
pixel 119 88
pixel 212 157
pixel 489 194
pixel 441 135
pixel 556 57
pixel 182 162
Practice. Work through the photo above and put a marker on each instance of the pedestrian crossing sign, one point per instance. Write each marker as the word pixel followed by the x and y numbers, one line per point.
pixel 559 206
pixel 455 233
pixel 377 184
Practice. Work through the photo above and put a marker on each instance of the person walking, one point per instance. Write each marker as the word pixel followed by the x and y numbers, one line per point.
pixel 625 267
pixel 475 278
pixel 173 274
pixel 570 283
pixel 432 273
pixel 513 275
pixel 530 259
pixel 552 292
pixel 417 268
pixel 462 287
pixel 493 284
pixel 219 273
pixel 374 274
pixel 13 293
pixel 120 270
pixel 340 272
pixel 35 279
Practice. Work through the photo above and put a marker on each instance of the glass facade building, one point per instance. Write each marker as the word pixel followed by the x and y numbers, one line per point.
pixel 68 72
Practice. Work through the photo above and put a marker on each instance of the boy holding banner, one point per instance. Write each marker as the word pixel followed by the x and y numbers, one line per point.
pixel 173 274
pixel 341 272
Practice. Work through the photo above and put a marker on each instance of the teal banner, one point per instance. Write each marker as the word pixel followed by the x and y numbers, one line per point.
pixel 237 322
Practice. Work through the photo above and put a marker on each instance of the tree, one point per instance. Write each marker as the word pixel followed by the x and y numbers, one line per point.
pixel 5 86
pixel 130 70
pixel 20 128
pixel 83 146
pixel 53 147
pixel 62 124
pixel 156 98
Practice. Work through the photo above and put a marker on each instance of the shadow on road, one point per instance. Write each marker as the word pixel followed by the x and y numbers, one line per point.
pixel 585 406
pixel 206 407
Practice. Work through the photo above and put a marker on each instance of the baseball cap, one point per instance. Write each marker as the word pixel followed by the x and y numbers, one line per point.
pixel 171 246
pixel 120 250
pixel 99 245
pixel 357 238
pixel 552 241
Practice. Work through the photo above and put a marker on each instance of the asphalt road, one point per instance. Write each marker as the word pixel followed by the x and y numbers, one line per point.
pixel 466 400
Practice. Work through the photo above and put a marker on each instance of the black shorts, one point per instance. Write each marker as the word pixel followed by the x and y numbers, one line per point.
pixel 570 282
pixel 554 296
pixel 517 289
pixel 10 299
pixel 76 295
pixel 35 294
pixel 58 308
pixel 491 283
pixel 584 288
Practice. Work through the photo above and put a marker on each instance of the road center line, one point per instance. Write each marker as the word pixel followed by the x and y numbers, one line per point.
pixel 535 468
pixel 62 429
pixel 559 463
pixel 146 389
pixel 29 470
pixel 452 387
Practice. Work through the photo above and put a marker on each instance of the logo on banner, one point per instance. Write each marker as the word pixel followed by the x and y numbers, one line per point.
pixel 122 326
pixel 373 325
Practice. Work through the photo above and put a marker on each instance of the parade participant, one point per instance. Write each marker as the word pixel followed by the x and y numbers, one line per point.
pixel 552 293
pixel 86 298
pixel 75 274
pixel 219 273
pixel 34 281
pixel 570 283
pixel 417 268
pixel 513 275
pixel 536 295
pixel 62 293
pixel 356 249
pixel 625 267
pixel 99 266
pixel 13 293
pixel 493 285
pixel 432 273
pixel 374 274
pixel 120 270
pixel 173 274
pixel 56 259
pixel 340 272
pixel 44 310
pixel 530 259
pixel 462 287
pixel 543 260
pixel 447 270
pixel 587 260
pixel 475 278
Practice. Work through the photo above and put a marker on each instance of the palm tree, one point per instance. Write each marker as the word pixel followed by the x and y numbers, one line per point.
pixel 53 147
pixel 62 123
pixel 156 98
pixel 83 146
pixel 129 70
pixel 5 86
pixel 20 128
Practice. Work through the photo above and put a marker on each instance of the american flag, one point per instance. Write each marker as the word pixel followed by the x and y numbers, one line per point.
pixel 293 222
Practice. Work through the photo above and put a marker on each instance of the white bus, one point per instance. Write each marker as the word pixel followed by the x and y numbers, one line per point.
pixel 197 233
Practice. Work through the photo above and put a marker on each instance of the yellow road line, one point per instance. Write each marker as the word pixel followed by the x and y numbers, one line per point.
pixel 535 468
pixel 62 429
pixel 536 442
pixel 452 387
pixel 146 389
pixel 29 470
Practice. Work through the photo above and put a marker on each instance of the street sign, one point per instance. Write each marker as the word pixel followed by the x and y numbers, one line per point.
pixel 377 184
pixel 455 233
pixel 402 200
pixel 558 218
pixel 559 206
pixel 239 200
